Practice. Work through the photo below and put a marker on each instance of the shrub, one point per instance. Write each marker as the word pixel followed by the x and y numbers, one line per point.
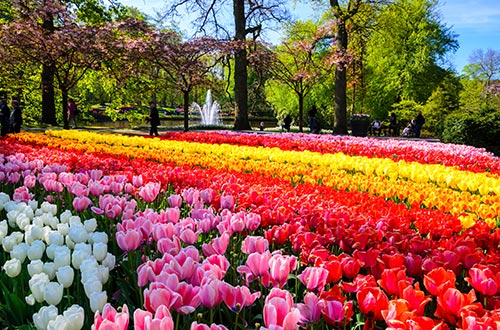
pixel 479 129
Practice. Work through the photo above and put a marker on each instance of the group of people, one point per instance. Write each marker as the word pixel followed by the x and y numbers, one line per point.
pixel 412 130
pixel 11 120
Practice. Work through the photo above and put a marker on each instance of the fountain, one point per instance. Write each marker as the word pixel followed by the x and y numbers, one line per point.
pixel 210 111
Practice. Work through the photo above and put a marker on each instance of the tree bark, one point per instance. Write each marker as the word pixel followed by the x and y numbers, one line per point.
pixel 341 39
pixel 241 121
pixel 65 110
pixel 47 76
pixel 301 111
pixel 186 110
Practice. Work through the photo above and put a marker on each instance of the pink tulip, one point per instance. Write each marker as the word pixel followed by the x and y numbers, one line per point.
pixel 163 230
pixel 310 310
pixel 259 263
pixel 96 188
pixel 189 296
pixel 218 246
pixel 14 177
pixel 253 244
pixel 314 278
pixel 188 236
pixel 210 295
pixel 279 313
pixel 143 320
pixel 199 326
pixel 150 191
pixel 95 174
pixel 22 194
pixel 207 195
pixel 116 187
pixel 227 202
pixel 252 221
pixel 175 201
pixel 111 319
pixel 29 181
pixel 129 240
pixel 52 185
pixel 67 179
pixel 191 196
pixel 167 245
pixel 171 215
pixel 237 297
pixel 237 222
pixel 81 203
pixel 78 189
pixel 158 294
pixel 137 181
pixel 280 267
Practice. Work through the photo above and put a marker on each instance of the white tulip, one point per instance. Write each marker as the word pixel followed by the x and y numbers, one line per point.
pixel 12 267
pixel 98 300
pixel 37 285
pixel 84 247
pixel 4 229
pixel 92 286
pixel 65 276
pixel 62 256
pixel 50 250
pixel 59 323
pixel 75 220
pixel 33 233
pixel 50 220
pixel 4 198
pixel 38 221
pixel 49 208
pixel 77 257
pixel 53 293
pixel 103 274
pixel 98 237
pixel 10 205
pixel 19 251
pixel 109 261
pixel 35 267
pixel 33 204
pixel 44 316
pixel 75 317
pixel 69 243
pixel 30 300
pixel 36 250
pixel 78 233
pixel 100 251
pixel 22 221
pixel 64 217
pixel 55 238
pixel 49 268
pixel 8 242
pixel 89 265
pixel 62 228
pixel 12 217
pixel 90 225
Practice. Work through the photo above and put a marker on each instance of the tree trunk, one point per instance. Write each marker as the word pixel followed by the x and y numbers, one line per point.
pixel 241 121
pixel 48 96
pixel 186 111
pixel 65 110
pixel 48 73
pixel 340 122
pixel 301 111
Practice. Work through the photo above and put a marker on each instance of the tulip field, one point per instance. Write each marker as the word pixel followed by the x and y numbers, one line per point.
pixel 226 230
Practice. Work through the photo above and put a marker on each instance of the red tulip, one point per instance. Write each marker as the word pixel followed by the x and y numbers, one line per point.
pixel 452 302
pixel 484 280
pixel 438 280
pixel 391 278
pixel 372 300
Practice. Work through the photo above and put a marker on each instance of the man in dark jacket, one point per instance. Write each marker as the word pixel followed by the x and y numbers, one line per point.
pixel 419 122
pixel 16 117
pixel 154 118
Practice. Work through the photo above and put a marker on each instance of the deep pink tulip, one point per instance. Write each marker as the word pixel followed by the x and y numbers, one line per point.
pixel 314 278
pixel 14 177
pixel 128 240
pixel 81 203
pixel 52 185
pixel 217 246
pixel 280 267
pixel 259 263
pixel 137 181
pixel 227 202
pixel 188 236
pixel 200 326
pixel 111 319
pixel 210 295
pixel 22 194
pixel 191 196
pixel 207 195
pixel 167 245
pixel 218 263
pixel 78 189
pixel 236 298
pixel 237 222
pixel 336 313
pixel 310 310
pixel 96 188
pixel 95 174
pixel 172 215
pixel 143 320
pixel 150 191
pixel 175 201
pixel 67 179
pixel 253 244
pixel 252 221
pixel 190 299
pixel 279 313
pixel 158 294
pixel 484 280
pixel 29 181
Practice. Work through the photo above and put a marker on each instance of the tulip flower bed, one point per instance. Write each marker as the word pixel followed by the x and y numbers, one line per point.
pixel 223 230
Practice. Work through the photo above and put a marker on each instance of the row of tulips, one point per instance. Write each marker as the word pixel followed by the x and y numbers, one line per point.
pixel 463 193
pixel 363 254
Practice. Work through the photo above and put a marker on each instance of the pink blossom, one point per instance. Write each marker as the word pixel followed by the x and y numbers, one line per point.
pixel 95 188
pixel 150 191
pixel 210 295
pixel 207 195
pixel 22 194
pixel 13 177
pixel 81 203
pixel 280 267
pixel 217 246
pixel 78 189
pixel 253 244
pixel 143 320
pixel 128 240
pixel 111 319
pixel 171 214
pixel 199 326
pixel 227 202
pixel 52 185
pixel 252 221
pixel 310 310
pixel 175 201
pixel 29 181
pixel 137 181
pixel 159 294
pixel 314 278
pixel 278 312
pixel 188 236
pixel 191 196
pixel 259 263
pixel 237 297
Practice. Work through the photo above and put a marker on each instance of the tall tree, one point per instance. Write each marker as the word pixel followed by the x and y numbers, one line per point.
pixel 249 18
pixel 484 65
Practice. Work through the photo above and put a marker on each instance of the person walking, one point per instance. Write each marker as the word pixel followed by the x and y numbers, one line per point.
pixel 419 122
pixel 5 117
pixel 16 117
pixel 72 112
pixel 154 119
